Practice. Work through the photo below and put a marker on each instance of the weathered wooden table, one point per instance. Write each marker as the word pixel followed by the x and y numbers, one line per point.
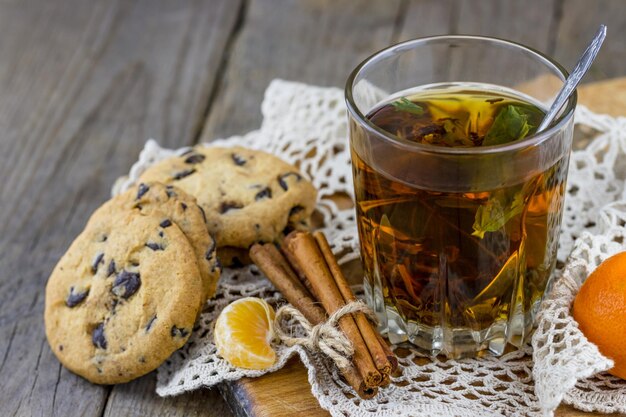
pixel 84 84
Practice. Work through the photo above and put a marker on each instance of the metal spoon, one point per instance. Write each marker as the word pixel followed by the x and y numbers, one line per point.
pixel 572 81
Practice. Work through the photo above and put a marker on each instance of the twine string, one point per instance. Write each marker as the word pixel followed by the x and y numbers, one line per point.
pixel 324 337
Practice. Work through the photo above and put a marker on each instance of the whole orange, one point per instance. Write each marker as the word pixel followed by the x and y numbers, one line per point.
pixel 600 310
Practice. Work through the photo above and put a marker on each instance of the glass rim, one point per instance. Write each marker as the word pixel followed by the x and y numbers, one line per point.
pixel 532 140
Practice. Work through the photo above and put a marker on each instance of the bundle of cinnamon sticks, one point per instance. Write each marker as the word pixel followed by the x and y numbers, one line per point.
pixel 306 272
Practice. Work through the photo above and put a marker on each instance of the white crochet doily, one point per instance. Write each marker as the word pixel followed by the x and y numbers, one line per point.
pixel 307 125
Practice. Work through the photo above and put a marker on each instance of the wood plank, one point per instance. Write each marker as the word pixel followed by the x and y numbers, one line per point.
pixel 138 399
pixel 503 19
pixel 313 41
pixel 580 20
pixel 427 18
pixel 258 397
pixel 529 22
pixel 82 85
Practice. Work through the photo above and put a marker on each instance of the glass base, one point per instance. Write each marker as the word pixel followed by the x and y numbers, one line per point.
pixel 454 343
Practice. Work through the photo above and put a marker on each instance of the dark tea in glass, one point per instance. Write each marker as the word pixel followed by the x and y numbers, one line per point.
pixel 458 205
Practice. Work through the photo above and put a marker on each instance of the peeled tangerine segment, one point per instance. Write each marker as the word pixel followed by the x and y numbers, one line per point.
pixel 243 334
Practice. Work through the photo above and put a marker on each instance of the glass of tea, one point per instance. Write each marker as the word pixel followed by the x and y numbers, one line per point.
pixel 458 200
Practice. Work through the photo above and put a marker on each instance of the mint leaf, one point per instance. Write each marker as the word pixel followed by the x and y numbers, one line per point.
pixel 497 212
pixel 408 106
pixel 511 124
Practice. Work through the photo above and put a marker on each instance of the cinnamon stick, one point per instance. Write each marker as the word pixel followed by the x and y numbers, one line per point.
pixel 370 336
pixel 276 269
pixel 391 357
pixel 298 270
pixel 386 381
pixel 304 247
pixel 354 379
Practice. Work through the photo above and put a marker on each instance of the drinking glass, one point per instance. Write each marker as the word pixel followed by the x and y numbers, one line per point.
pixel 430 280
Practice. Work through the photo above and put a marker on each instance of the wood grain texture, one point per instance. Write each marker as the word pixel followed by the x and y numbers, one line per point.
pixel 313 41
pixel 503 19
pixel 579 22
pixel 82 85
pixel 285 392
pixel 139 399
pixel 530 22
pixel 417 19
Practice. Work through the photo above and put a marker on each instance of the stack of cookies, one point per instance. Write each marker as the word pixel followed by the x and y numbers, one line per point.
pixel 127 292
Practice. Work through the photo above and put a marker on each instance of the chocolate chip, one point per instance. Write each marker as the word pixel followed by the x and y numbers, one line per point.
pixel 61 348
pixel 111 268
pixel 142 359
pixel 103 238
pixel 195 158
pixel 229 205
pixel 150 323
pixel 114 303
pixel 97 337
pixel 165 223
pixel 288 229
pixel 295 210
pixel 155 246
pixel 161 234
pixel 143 188
pixel 210 251
pixel 182 174
pixel 203 214
pixel 96 262
pixel 237 159
pixel 264 193
pixel 169 190
pixel 184 206
pixel 179 332
pixel 75 298
pixel 283 183
pixel 126 284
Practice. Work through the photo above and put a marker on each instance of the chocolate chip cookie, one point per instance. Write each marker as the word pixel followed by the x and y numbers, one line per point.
pixel 248 196
pixel 176 207
pixel 123 297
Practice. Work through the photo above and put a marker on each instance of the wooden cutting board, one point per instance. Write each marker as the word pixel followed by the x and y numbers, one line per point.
pixel 286 393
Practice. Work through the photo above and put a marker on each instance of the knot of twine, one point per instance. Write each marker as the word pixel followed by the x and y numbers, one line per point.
pixel 323 337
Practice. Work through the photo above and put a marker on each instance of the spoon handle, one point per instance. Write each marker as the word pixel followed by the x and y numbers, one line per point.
pixel 577 74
